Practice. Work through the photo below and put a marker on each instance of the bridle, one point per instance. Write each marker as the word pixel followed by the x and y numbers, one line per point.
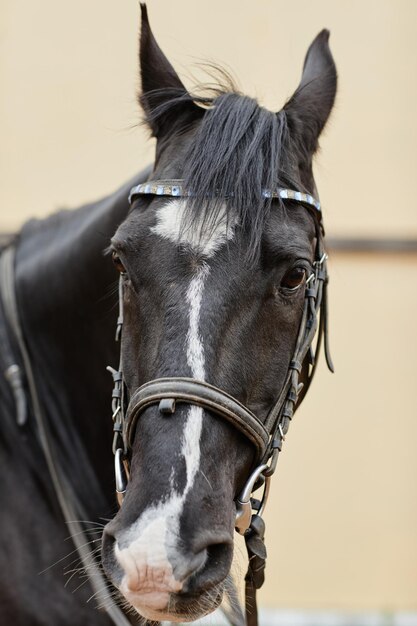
pixel 268 435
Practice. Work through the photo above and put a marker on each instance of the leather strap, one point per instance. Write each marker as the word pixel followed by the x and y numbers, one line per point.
pixel 255 575
pixel 11 368
pixel 200 393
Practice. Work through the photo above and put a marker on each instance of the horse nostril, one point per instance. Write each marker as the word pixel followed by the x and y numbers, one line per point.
pixel 191 565
pixel 211 568
pixel 219 556
pixel 216 551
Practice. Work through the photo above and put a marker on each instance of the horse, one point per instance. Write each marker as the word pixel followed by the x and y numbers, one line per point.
pixel 212 268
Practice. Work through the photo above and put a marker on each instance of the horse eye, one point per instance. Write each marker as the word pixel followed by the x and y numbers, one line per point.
pixel 293 278
pixel 118 263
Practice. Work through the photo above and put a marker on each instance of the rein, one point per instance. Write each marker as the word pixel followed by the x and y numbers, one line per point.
pixel 267 436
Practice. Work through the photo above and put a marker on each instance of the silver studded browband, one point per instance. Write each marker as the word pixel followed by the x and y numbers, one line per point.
pixel 176 189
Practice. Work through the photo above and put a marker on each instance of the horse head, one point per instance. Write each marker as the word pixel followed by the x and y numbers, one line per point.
pixel 214 274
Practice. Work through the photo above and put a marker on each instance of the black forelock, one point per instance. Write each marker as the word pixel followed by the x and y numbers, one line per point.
pixel 237 150
pixel 237 153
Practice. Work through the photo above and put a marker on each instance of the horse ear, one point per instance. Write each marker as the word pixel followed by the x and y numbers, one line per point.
pixel 310 106
pixel 161 86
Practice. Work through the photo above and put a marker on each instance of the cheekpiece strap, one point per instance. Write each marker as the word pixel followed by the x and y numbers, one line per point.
pixel 175 188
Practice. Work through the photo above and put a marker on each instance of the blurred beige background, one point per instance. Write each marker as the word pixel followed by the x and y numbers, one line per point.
pixel 342 518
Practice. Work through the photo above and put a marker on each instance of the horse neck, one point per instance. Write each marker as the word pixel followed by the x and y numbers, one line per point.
pixel 66 290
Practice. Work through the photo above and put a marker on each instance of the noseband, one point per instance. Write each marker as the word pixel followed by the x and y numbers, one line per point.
pixel 268 435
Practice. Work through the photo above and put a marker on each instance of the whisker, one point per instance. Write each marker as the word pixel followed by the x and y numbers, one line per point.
pixel 84 521
pixel 102 589
pixel 82 532
pixel 65 557
pixel 204 476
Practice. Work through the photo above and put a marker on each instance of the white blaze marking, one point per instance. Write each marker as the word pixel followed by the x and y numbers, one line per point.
pixel 169 225
pixel 149 576
pixel 195 350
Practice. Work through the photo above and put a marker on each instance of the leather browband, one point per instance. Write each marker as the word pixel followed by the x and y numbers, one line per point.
pixel 202 394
